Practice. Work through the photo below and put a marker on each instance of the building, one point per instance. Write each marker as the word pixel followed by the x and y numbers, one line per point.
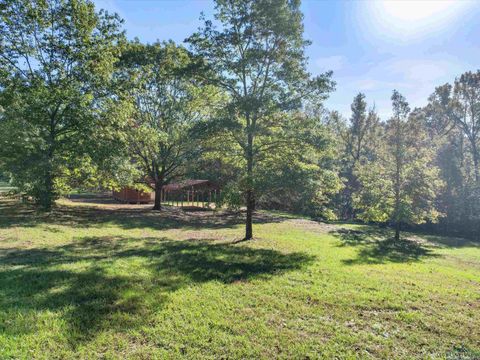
pixel 187 192
pixel 133 196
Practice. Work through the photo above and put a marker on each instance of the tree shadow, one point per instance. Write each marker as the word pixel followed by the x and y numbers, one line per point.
pixel 377 246
pixel 451 241
pixel 90 198
pixel 89 301
pixel 116 283
pixel 125 216
pixel 355 237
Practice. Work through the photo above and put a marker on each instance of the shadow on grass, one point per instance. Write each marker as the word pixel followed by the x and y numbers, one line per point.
pixel 113 283
pixel 451 241
pixel 376 246
pixel 353 237
pixel 13 213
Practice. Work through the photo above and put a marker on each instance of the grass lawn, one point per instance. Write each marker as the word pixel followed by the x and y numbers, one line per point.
pixel 102 280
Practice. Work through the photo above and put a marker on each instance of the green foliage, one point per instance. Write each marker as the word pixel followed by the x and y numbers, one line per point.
pixel 300 175
pixel 238 108
pixel 256 56
pixel 55 65
pixel 231 198
pixel 358 140
pixel 452 119
pixel 167 104
pixel 401 185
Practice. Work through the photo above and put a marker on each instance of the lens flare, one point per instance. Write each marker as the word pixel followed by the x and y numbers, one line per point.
pixel 404 19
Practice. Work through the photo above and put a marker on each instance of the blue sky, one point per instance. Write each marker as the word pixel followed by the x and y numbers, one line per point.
pixel 372 46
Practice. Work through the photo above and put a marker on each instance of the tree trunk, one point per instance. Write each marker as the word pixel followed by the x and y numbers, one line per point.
pixel 397 231
pixel 250 197
pixel 475 163
pixel 397 183
pixel 46 196
pixel 248 224
pixel 158 195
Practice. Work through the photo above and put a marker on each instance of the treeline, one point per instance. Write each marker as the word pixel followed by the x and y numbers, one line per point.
pixel 419 168
pixel 83 107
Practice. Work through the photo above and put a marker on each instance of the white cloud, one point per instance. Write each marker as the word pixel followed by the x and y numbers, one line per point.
pixel 334 63
pixel 420 70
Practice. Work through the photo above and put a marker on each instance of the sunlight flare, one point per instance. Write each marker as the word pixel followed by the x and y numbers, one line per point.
pixel 413 19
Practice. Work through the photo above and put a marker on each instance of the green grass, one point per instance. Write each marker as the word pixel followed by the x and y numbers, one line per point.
pixel 120 281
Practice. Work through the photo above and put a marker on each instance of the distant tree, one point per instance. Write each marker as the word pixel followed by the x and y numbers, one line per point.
pixel 56 58
pixel 401 184
pixel 453 119
pixel 466 114
pixel 300 176
pixel 257 56
pixel 358 138
pixel 167 103
pixel 458 106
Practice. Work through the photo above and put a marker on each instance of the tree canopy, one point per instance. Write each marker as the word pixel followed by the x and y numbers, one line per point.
pixel 82 107
pixel 257 55
pixel 167 102
pixel 401 184
pixel 56 58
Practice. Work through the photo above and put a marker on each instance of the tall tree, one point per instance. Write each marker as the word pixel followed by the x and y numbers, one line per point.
pixel 466 114
pixel 358 139
pixel 401 184
pixel 167 103
pixel 453 119
pixel 257 56
pixel 56 58
pixel 459 106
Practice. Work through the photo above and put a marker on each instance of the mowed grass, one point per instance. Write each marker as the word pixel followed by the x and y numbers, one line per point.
pixel 99 280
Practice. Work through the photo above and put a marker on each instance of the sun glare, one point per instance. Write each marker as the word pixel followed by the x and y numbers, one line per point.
pixel 413 11
pixel 409 18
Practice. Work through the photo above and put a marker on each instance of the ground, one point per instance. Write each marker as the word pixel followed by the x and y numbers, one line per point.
pixel 101 280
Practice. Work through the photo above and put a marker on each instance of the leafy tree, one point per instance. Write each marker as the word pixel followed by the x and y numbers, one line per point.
pixel 56 58
pixel 359 139
pixel 257 58
pixel 301 175
pixel 401 184
pixel 167 104
pixel 452 119
pixel 466 114
pixel 458 106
